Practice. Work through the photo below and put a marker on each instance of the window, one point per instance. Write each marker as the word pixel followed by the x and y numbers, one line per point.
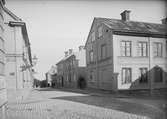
pixel 100 31
pixel 157 49
pixel 103 51
pixel 126 48
pixel 91 55
pixel 142 49
pixel 143 75
pixel 158 74
pixel 93 36
pixel 126 75
pixel 91 77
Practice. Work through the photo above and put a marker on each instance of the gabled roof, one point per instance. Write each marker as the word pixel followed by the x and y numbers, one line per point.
pixel 132 28
pixel 135 27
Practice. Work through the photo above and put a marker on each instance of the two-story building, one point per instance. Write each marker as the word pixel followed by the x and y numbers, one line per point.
pixel 18 68
pixel 126 55
pixel 71 70
pixel 3 93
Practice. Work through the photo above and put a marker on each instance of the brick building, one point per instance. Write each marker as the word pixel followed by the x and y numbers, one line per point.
pixel 3 94
pixel 71 70
pixel 126 55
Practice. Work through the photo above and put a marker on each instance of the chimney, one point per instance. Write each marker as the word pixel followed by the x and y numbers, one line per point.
pixel 81 48
pixel 125 15
pixel 66 53
pixel 164 21
pixel 70 51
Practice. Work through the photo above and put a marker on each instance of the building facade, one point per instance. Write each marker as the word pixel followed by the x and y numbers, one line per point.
pixel 71 70
pixel 126 55
pixel 50 76
pixel 3 93
pixel 18 53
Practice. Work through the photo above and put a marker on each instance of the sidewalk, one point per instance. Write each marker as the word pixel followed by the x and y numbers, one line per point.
pixel 158 103
pixel 26 104
pixel 16 95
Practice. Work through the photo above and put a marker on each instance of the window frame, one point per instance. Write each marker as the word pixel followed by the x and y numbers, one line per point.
pixel 142 76
pixel 125 48
pixel 103 47
pixel 91 57
pixel 126 81
pixel 156 49
pixel 100 31
pixel 141 49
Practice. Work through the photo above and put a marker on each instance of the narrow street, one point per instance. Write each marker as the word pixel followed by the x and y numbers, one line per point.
pixel 50 103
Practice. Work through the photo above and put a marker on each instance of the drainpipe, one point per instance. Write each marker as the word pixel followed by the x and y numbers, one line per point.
pixel 97 70
pixel 15 57
pixel 150 82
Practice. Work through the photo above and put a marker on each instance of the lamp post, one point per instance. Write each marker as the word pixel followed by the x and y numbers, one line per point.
pixel 34 62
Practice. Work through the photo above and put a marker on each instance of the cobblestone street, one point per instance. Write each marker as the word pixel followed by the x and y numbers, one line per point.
pixel 77 104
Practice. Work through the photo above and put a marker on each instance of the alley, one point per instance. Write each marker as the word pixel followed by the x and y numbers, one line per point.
pixel 76 104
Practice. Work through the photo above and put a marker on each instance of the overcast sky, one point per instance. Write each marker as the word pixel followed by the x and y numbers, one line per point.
pixel 55 26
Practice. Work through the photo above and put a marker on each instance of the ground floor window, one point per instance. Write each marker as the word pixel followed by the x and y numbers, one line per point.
pixel 143 75
pixel 91 76
pixel 126 75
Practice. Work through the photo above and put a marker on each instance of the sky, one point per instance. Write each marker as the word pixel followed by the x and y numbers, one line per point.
pixel 55 26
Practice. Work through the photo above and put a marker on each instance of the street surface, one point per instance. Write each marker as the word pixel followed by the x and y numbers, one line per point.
pixel 50 103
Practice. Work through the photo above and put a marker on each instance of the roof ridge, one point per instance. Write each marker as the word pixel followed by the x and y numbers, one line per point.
pixel 127 21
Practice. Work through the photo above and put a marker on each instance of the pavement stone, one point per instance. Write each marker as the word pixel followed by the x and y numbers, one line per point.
pixel 60 104
pixel 27 107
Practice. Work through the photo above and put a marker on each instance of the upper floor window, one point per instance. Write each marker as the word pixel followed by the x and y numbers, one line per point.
pixel 103 51
pixel 100 31
pixel 91 55
pixel 143 75
pixel 91 76
pixel 126 75
pixel 142 49
pixel 157 49
pixel 93 36
pixel 125 48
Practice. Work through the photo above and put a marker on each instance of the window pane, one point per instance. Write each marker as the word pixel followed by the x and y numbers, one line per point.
pixel 128 76
pixel 123 76
pixel 159 49
pixel 93 36
pixel 128 52
pixel 155 49
pixel 100 32
pixel 128 44
pixel 123 48
pixel 103 51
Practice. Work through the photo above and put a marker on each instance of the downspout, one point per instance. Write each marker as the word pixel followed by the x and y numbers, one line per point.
pixel 149 75
pixel 97 70
pixel 15 56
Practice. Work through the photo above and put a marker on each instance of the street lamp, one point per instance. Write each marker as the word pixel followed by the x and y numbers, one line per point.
pixel 34 60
